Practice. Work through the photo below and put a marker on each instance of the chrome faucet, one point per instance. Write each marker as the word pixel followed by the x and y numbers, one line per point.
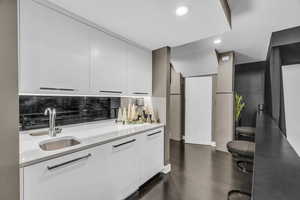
pixel 53 131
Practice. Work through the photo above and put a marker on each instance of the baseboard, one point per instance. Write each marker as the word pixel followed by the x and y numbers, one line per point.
pixel 203 143
pixel 213 144
pixel 166 169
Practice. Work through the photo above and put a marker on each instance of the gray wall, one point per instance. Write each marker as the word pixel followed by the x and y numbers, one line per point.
pixel 214 95
pixel 227 11
pixel 161 91
pixel 285 37
pixel 9 138
pixel 224 111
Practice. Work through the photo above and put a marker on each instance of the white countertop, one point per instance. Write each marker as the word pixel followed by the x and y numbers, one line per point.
pixel 89 134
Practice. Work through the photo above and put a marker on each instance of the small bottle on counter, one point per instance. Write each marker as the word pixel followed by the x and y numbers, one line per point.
pixel 120 115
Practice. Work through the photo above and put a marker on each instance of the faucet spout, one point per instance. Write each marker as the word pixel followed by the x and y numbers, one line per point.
pixel 52 116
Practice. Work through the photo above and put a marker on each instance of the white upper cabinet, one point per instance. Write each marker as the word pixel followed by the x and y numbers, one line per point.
pixel 54 51
pixel 29 46
pixel 139 71
pixel 65 53
pixel 60 55
pixel 108 64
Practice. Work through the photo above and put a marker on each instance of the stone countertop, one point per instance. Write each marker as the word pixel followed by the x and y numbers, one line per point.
pixel 276 164
pixel 89 135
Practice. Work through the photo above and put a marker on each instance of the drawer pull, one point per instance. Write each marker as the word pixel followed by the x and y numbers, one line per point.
pixel 141 93
pixel 113 92
pixel 57 89
pixel 69 162
pixel 128 142
pixel 155 133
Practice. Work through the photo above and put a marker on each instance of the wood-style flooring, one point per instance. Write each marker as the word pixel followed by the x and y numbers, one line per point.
pixel 198 173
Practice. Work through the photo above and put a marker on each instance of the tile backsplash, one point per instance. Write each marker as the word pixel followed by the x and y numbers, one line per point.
pixel 70 110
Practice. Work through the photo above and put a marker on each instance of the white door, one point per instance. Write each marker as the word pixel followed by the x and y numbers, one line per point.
pixel 109 64
pixel 77 176
pixel 139 71
pixel 291 82
pixel 198 110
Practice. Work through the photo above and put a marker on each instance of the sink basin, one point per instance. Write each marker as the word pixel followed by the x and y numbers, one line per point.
pixel 45 132
pixel 58 143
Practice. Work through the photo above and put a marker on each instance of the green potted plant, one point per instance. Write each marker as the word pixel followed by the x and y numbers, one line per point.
pixel 239 106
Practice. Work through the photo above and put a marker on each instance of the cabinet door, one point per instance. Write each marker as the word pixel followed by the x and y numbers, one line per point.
pixel 60 57
pixel 29 46
pixel 76 176
pixel 65 54
pixel 152 158
pixel 139 71
pixel 124 168
pixel 109 64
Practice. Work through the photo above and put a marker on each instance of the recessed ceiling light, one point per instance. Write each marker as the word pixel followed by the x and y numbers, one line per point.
pixel 217 41
pixel 182 10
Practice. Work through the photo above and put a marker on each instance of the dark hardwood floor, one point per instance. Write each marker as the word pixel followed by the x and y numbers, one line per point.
pixel 198 173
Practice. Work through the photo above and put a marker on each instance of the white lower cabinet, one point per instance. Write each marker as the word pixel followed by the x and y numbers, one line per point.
pixel 152 154
pixel 76 176
pixel 111 171
pixel 124 167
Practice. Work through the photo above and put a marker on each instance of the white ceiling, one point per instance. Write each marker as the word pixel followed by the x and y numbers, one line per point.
pixel 153 23
pixel 253 22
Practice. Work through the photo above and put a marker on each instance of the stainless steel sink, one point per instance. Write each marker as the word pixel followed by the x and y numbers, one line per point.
pixel 45 132
pixel 58 143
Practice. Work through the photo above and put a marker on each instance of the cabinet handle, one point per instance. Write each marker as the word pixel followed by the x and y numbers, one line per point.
pixel 128 142
pixel 155 133
pixel 57 89
pixel 114 92
pixel 68 162
pixel 141 93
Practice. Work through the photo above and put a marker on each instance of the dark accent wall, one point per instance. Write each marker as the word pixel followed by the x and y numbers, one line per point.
pixel 283 50
pixel 70 110
pixel 250 83
pixel 285 37
pixel 290 54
